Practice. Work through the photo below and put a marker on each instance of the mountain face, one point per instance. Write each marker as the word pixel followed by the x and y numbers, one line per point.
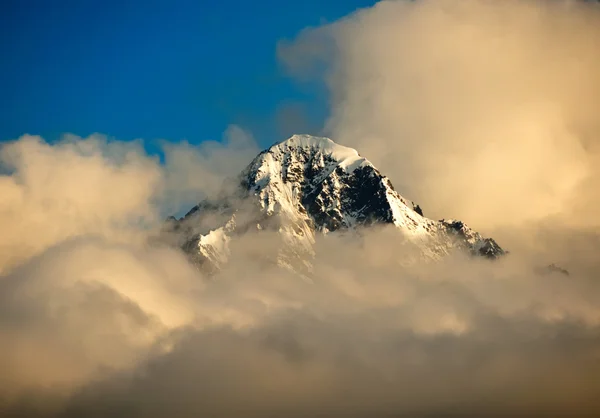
pixel 307 186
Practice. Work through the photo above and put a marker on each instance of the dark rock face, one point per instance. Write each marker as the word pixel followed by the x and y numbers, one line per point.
pixel 365 195
pixel 490 249
pixel 360 193
pixel 473 241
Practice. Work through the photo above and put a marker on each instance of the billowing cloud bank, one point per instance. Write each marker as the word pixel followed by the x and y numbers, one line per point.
pixel 97 321
pixel 477 108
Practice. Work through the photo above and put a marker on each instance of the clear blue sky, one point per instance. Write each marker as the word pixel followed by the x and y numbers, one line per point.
pixel 149 69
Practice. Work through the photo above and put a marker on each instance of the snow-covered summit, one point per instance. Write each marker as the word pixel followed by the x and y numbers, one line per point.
pixel 308 185
pixel 347 158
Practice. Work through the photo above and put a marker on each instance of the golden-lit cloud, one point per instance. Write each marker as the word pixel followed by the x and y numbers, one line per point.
pixel 483 110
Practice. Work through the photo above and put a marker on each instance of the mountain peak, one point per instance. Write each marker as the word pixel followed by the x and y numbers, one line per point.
pixel 307 185
pixel 347 158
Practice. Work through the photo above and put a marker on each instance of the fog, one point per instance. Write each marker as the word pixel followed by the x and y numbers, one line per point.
pixel 479 110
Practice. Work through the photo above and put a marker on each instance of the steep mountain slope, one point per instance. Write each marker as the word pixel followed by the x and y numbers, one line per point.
pixel 305 186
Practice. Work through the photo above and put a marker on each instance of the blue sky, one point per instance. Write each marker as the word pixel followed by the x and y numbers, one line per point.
pixel 169 69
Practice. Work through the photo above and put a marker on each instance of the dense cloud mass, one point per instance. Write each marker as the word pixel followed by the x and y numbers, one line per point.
pixel 481 109
pixel 478 109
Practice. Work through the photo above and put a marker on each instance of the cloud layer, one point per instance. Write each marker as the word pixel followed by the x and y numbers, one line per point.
pixel 368 338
